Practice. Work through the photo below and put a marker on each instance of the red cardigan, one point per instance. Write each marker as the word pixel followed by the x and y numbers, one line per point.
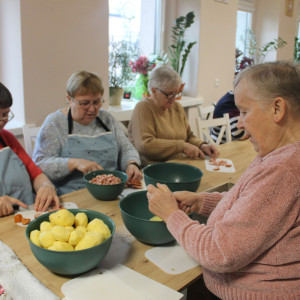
pixel 13 143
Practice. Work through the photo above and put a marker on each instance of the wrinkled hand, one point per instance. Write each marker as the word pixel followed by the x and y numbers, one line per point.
pixel 44 196
pixel 133 173
pixel 6 205
pixel 188 201
pixel 162 202
pixel 210 150
pixel 83 165
pixel 192 151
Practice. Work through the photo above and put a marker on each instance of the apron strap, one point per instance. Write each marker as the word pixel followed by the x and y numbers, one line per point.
pixel 2 142
pixel 70 123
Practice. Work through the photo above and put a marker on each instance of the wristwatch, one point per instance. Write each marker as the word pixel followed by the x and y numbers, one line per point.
pixel 136 164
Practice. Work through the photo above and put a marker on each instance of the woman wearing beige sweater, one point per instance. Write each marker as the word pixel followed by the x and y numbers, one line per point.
pixel 159 128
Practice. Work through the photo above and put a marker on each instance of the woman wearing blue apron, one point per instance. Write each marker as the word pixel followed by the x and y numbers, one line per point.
pixel 20 178
pixel 83 138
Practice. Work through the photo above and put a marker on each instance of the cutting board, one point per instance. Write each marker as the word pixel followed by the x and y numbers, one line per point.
pixel 222 168
pixel 102 283
pixel 171 258
pixel 128 191
pixel 29 214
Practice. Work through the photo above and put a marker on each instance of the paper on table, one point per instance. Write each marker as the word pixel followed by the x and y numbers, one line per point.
pixel 171 258
pixel 29 214
pixel 100 284
pixel 146 286
pixel 222 168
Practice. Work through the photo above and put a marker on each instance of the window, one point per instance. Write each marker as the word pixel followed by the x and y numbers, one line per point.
pixel 134 21
pixel 244 21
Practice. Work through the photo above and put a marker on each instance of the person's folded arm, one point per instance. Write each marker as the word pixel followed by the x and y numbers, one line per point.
pixel 252 225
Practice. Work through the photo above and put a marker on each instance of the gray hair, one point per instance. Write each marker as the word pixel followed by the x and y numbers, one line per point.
pixel 163 78
pixel 83 83
pixel 271 80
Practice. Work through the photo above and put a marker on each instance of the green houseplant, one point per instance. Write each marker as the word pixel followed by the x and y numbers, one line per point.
pixel 297 50
pixel 120 74
pixel 180 48
pixel 259 54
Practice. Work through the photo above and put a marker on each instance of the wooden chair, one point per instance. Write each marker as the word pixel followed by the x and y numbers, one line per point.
pixel 206 113
pixel 30 133
pixel 204 132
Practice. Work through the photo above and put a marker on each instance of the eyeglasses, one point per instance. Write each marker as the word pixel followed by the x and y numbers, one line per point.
pixel 8 118
pixel 87 104
pixel 170 95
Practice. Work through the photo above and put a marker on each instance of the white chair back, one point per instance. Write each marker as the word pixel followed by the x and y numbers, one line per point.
pixel 30 133
pixel 204 132
pixel 206 113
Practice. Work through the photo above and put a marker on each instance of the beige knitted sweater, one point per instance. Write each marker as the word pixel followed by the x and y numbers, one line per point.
pixel 160 135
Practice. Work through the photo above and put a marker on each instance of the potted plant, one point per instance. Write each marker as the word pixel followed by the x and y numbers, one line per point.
pixel 120 74
pixel 297 50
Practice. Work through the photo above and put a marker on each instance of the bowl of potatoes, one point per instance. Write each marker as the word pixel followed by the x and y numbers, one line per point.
pixel 70 241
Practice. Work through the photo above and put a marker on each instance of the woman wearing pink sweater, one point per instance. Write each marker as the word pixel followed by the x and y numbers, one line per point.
pixel 250 247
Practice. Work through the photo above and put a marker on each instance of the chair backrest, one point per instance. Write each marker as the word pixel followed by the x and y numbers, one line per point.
pixel 204 132
pixel 206 113
pixel 30 133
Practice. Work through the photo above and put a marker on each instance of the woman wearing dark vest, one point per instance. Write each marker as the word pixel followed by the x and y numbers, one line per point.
pixel 82 138
pixel 20 178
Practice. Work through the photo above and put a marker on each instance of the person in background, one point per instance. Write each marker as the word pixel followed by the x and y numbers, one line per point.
pixel 19 176
pixel 249 248
pixel 226 105
pixel 83 138
pixel 159 128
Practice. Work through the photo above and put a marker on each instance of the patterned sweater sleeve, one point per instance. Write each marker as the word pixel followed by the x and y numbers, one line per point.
pixel 47 150
pixel 144 137
pixel 245 229
pixel 127 152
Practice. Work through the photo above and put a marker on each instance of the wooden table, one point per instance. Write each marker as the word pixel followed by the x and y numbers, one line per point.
pixel 126 249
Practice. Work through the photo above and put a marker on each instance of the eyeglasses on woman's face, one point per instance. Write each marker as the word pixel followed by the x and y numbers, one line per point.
pixel 170 96
pixel 7 116
pixel 85 104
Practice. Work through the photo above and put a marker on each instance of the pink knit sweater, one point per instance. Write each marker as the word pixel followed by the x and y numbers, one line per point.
pixel 250 247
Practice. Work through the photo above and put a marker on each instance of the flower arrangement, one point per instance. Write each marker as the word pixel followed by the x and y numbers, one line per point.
pixel 142 65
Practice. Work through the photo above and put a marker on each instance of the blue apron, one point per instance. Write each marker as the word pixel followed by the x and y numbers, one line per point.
pixel 102 149
pixel 14 178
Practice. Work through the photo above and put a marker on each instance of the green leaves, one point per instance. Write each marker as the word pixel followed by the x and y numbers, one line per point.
pixel 297 50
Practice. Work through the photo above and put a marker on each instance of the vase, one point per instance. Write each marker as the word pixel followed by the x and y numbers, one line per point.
pixel 181 90
pixel 141 86
pixel 115 95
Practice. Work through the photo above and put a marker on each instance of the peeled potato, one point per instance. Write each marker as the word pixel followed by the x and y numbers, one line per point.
pixel 99 226
pixel 60 233
pixel 70 228
pixel 156 219
pixel 61 246
pixel 34 237
pixel 75 237
pixel 62 217
pixel 90 239
pixel 46 239
pixel 82 228
pixel 45 226
pixel 81 219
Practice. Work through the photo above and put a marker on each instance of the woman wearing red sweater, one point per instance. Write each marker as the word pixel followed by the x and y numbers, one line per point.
pixel 249 248
pixel 19 176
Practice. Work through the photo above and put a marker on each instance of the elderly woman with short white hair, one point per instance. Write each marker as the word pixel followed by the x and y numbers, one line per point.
pixel 249 248
pixel 159 128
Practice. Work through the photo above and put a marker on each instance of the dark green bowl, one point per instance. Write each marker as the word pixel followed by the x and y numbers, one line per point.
pixel 105 192
pixel 71 262
pixel 178 177
pixel 136 217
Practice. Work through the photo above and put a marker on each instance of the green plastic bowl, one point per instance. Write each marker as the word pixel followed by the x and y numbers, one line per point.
pixel 105 192
pixel 178 177
pixel 71 262
pixel 136 217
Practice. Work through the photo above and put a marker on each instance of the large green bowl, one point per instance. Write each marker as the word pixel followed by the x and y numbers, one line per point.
pixel 178 177
pixel 71 262
pixel 136 217
pixel 105 192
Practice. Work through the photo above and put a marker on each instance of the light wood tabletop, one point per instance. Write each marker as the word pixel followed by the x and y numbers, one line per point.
pixel 125 249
